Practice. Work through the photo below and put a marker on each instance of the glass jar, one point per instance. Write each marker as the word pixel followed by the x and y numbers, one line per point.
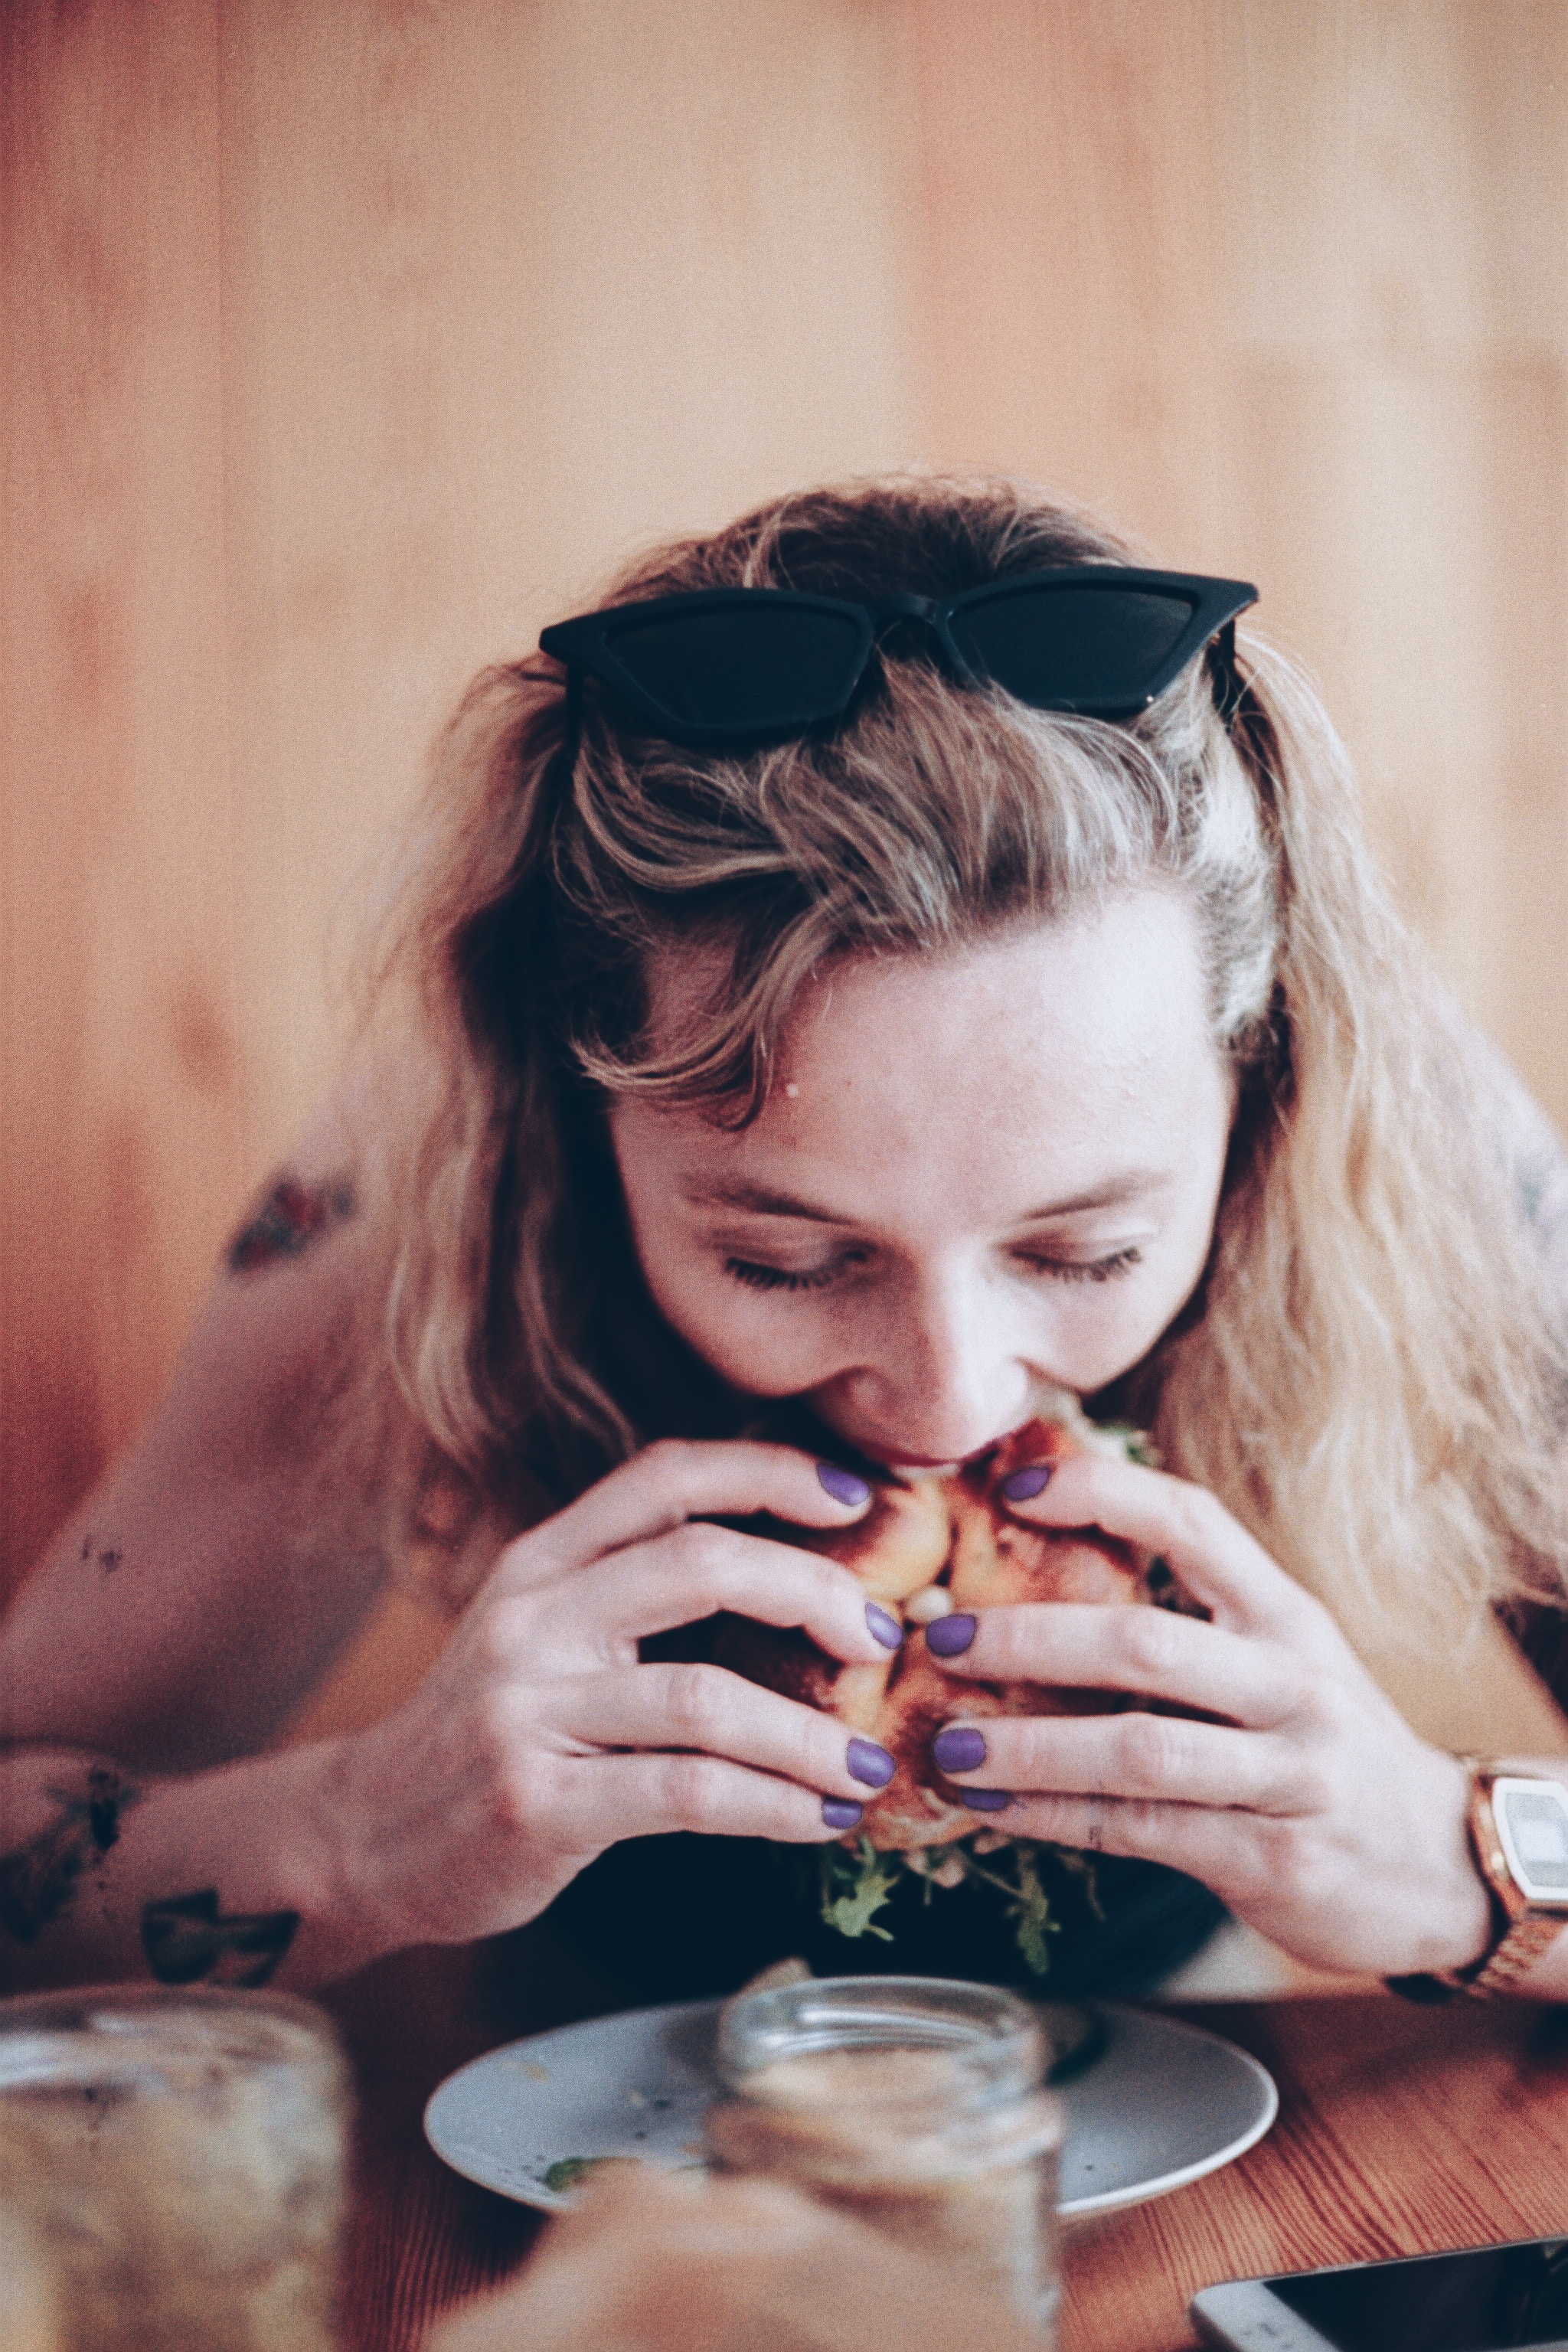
pixel 175 2161
pixel 913 2101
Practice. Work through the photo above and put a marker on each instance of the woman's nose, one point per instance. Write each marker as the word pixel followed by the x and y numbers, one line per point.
pixel 952 1374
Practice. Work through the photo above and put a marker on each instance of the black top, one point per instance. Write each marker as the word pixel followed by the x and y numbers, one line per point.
pixel 682 1919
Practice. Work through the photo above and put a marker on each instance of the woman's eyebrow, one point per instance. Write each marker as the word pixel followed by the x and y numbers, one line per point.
pixel 757 1201
pixel 1133 1184
pixel 762 1200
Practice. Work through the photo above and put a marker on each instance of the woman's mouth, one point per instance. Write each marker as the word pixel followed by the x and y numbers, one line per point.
pixel 901 1465
pixel 1046 1397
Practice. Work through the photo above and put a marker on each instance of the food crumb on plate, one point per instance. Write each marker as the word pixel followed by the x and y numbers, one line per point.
pixel 571 2171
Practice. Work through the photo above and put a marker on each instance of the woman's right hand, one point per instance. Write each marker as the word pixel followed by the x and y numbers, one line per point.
pixel 539 1738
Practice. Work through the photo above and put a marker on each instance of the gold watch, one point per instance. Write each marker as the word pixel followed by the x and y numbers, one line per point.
pixel 1519 1835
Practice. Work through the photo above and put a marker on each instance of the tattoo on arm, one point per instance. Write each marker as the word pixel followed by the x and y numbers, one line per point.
pixel 291 1217
pixel 187 1940
pixel 110 1557
pixel 185 1937
pixel 39 1880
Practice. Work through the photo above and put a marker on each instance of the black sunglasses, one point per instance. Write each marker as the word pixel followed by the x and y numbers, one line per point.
pixel 728 665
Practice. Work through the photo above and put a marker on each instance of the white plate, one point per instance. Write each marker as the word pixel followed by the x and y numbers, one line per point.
pixel 1163 2105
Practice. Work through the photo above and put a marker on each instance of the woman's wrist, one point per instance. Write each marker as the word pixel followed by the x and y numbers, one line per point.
pixel 242 1850
pixel 329 1858
pixel 1455 1927
pixel 242 1875
pixel 1465 1924
pixel 1467 1933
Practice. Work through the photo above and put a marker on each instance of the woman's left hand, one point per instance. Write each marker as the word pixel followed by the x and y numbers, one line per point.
pixel 1312 1809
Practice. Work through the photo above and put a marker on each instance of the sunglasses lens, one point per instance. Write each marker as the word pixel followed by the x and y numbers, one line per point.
pixel 1074 648
pixel 759 666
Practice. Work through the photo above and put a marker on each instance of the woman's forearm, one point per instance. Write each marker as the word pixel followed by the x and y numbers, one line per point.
pixel 234 1877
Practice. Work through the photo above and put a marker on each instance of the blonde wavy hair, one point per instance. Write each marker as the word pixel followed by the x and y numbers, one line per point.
pixel 1367 1376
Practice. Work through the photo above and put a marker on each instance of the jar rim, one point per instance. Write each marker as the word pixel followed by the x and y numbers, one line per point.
pixel 995 2037
pixel 139 2035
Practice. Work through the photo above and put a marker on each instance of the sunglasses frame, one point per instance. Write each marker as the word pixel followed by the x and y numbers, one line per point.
pixel 586 643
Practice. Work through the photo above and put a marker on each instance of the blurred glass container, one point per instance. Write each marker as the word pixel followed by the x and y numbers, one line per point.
pixel 27 2302
pixel 914 2102
pixel 176 2160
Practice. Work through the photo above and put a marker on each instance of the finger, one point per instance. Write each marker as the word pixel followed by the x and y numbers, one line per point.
pixel 1213 1846
pixel 710 1711
pixel 1071 1645
pixel 678 1480
pixel 695 1570
pixel 1164 1759
pixel 1214 1558
pixel 649 1796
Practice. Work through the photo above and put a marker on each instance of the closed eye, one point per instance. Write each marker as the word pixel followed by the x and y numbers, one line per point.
pixel 1091 1269
pixel 774 1278
pixel 756 1277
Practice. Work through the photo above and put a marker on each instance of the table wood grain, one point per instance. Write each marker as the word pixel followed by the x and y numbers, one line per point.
pixel 1401 2130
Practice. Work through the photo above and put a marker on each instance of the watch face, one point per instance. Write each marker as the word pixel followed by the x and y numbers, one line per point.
pixel 1531 1817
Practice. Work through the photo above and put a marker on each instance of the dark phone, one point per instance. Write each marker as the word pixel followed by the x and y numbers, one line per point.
pixel 1484 2299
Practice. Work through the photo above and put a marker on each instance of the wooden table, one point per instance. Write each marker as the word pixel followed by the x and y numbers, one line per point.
pixel 1401 2130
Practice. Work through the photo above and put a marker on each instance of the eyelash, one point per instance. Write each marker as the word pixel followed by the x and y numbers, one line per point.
pixel 1094 1269
pixel 774 1277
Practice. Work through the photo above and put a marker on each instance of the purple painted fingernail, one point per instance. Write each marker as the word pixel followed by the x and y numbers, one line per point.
pixel 843 1484
pixel 958 1749
pixel 1023 1485
pixel 950 1635
pixel 884 1629
pixel 841 1812
pixel 985 1801
pixel 870 1763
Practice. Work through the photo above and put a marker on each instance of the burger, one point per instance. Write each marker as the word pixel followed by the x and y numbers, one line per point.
pixel 927 1548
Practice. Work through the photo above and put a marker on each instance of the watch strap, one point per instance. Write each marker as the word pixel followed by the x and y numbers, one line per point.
pixel 1526 1941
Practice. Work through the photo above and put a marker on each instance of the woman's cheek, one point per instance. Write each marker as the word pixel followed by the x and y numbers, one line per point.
pixel 768 1355
pixel 1089 1341
pixel 766 1343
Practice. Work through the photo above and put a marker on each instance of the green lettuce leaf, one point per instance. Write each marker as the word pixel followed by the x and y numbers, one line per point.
pixel 855 1886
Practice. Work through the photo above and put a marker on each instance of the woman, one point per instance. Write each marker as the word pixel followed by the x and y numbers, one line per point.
pixel 781 1008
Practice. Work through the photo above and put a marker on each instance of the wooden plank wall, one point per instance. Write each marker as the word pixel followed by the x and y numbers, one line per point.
pixel 346 340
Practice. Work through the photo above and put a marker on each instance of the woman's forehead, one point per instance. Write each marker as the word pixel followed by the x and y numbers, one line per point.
pixel 1068 1054
pixel 1104 987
